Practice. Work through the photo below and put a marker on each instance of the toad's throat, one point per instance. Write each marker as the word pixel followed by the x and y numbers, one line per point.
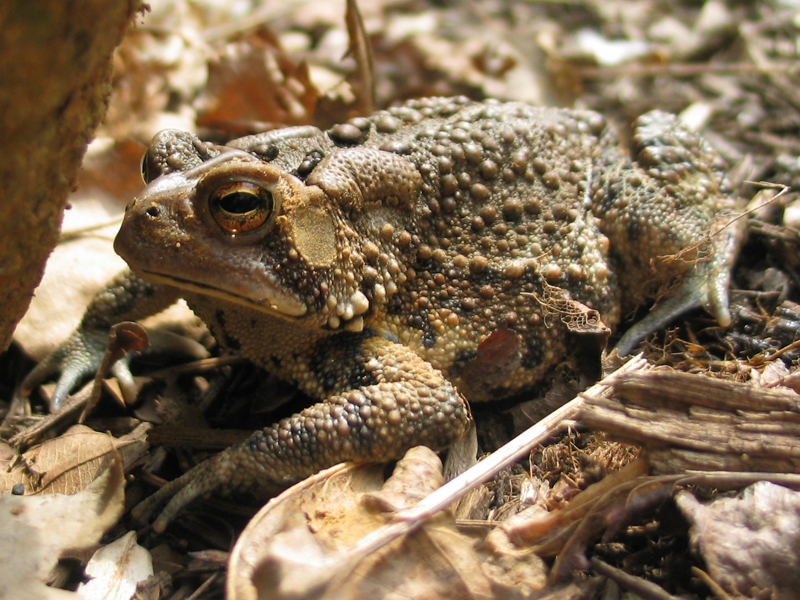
pixel 276 304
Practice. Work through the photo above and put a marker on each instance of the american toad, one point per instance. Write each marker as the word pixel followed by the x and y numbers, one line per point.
pixel 391 262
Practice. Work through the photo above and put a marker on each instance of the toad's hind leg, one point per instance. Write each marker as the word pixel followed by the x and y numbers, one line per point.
pixel 706 285
pixel 398 401
pixel 669 215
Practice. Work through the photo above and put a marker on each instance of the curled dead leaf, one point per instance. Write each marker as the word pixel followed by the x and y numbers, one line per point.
pixel 253 81
pixel 315 540
pixel 749 542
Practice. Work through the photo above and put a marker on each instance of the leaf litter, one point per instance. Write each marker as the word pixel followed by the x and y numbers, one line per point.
pixel 572 521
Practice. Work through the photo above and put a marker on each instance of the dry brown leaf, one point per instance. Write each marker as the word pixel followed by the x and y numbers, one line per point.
pixel 160 67
pixel 749 543
pixel 35 531
pixel 252 81
pixel 112 173
pixel 355 96
pixel 773 374
pixel 71 280
pixel 63 465
pixel 301 543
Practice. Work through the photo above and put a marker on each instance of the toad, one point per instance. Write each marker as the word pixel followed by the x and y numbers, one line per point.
pixel 397 263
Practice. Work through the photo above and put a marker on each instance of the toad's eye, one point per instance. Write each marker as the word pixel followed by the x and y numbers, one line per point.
pixel 241 206
pixel 146 168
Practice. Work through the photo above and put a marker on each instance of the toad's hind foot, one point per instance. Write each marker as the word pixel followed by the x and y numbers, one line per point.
pixel 706 284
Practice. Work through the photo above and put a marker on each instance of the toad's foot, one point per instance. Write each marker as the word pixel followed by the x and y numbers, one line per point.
pixel 706 284
pixel 125 298
pixel 669 214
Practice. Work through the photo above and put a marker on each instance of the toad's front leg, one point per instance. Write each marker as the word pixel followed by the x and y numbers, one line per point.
pixel 389 402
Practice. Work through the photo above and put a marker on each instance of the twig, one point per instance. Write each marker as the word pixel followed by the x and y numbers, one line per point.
pixel 642 587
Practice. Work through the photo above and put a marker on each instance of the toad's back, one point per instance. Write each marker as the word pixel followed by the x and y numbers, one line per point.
pixel 484 235
pixel 501 237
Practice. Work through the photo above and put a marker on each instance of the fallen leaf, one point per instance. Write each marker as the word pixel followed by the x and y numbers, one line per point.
pixel 35 531
pixel 71 280
pixel 115 570
pixel 63 465
pixel 307 542
pixel 355 96
pixel 749 543
pixel 252 81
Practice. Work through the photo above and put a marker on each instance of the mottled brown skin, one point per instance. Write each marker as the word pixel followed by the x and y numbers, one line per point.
pixel 394 261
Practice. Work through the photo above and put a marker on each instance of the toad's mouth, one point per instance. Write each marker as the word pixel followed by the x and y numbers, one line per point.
pixel 271 301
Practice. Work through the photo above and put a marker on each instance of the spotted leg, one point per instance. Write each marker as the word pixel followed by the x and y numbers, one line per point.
pixel 402 402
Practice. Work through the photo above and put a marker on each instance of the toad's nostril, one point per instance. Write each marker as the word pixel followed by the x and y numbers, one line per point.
pixel 153 211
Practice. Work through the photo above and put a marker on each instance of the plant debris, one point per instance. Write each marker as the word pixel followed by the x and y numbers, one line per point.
pixel 677 482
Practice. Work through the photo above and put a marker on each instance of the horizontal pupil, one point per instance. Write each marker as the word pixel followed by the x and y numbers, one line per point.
pixel 238 203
